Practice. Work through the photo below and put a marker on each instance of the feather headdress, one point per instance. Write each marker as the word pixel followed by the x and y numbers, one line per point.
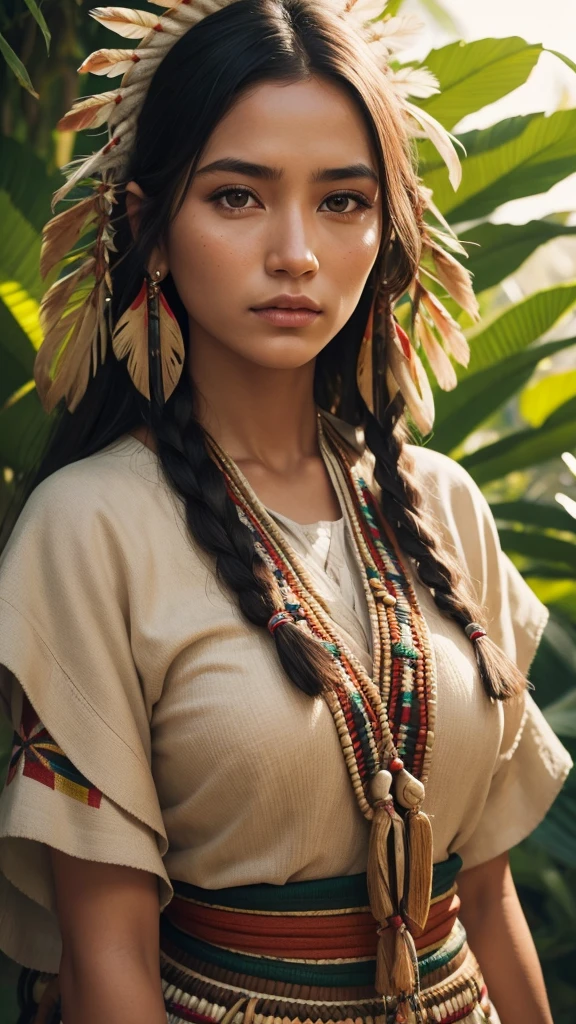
pixel 74 312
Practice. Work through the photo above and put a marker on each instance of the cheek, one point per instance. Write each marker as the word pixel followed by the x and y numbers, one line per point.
pixel 204 263
pixel 347 263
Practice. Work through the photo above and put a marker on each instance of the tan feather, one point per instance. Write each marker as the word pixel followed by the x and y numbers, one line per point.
pixel 450 331
pixel 171 348
pixel 439 362
pixel 62 232
pixel 446 240
pixel 59 294
pixel 405 373
pixel 90 112
pixel 440 138
pixel 72 369
pixel 126 22
pixel 130 340
pixel 109 62
pixel 456 280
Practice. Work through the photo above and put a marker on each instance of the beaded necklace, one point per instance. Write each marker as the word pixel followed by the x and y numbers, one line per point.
pixel 385 723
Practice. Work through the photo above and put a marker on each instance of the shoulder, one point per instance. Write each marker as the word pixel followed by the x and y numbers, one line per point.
pixel 456 507
pixel 101 511
pixel 443 481
pixel 111 486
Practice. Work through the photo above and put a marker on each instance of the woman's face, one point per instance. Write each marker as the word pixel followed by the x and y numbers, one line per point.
pixel 281 225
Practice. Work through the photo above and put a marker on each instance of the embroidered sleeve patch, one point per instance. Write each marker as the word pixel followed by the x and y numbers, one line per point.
pixel 45 761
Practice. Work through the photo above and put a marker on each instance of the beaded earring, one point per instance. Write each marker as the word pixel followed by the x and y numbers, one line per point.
pixel 148 334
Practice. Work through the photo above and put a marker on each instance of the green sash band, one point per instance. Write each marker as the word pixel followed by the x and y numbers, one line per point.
pixel 339 893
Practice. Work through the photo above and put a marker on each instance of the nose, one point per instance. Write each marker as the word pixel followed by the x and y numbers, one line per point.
pixel 291 250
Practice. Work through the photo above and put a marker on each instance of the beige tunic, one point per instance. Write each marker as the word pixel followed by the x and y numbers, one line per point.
pixel 214 768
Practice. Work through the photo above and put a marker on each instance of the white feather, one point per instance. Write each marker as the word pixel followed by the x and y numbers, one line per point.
pixel 125 21
pixel 441 139
pixel 395 34
pixel 366 10
pixel 417 82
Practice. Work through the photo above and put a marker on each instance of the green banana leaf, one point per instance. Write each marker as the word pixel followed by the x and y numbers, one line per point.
pixel 16 356
pixel 534 544
pixel 20 290
pixel 534 513
pixel 460 412
pixel 40 20
pixel 517 327
pixel 472 75
pixel 26 180
pixel 23 430
pixel 538 402
pixel 553 671
pixel 476 142
pixel 561 715
pixel 563 413
pixel 519 450
pixel 16 66
pixel 557 833
pixel 495 251
pixel 20 249
pixel 517 158
pixel 558 594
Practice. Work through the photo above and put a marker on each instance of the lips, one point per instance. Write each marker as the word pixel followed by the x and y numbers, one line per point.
pixel 289 302
pixel 288 310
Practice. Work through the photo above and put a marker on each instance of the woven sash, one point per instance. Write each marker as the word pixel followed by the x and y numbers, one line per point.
pixel 319 932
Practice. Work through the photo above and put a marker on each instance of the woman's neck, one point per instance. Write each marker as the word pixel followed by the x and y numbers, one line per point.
pixel 266 421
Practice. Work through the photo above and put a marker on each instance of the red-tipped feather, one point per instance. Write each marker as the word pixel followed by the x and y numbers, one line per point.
pixel 90 112
pixel 125 21
pixel 109 62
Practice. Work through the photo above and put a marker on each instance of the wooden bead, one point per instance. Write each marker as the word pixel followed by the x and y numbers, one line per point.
pixel 396 764
pixel 409 792
pixel 380 785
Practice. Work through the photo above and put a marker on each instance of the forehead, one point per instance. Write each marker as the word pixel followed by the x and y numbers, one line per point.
pixel 314 122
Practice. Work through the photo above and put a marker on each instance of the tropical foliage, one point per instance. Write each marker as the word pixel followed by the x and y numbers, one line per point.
pixel 509 422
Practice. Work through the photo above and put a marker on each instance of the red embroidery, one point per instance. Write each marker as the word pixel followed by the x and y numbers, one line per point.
pixel 46 762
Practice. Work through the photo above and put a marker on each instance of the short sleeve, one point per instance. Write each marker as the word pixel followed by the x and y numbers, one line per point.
pixel 532 764
pixel 79 777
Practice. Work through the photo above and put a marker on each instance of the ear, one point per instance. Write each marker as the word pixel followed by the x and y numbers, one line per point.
pixel 134 199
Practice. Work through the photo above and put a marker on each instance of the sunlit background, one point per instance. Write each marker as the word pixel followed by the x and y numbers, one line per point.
pixel 512 420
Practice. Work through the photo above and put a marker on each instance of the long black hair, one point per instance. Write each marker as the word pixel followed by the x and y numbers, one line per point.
pixel 197 83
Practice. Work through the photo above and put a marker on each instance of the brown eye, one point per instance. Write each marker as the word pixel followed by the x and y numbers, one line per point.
pixel 236 199
pixel 339 204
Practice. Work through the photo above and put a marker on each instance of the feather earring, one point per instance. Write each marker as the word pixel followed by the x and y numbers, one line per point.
pixel 149 336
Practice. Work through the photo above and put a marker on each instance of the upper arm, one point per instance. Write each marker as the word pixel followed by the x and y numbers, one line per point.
pixel 106 909
pixel 483 884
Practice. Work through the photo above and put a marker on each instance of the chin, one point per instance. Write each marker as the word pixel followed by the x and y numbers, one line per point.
pixel 282 354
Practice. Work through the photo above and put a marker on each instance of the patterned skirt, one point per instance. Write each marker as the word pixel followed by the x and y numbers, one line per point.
pixel 299 953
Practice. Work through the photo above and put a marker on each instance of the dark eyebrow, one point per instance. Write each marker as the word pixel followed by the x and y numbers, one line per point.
pixel 351 171
pixel 252 170
pixel 243 167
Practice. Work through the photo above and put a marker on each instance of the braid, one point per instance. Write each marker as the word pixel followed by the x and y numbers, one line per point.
pixel 214 523
pixel 400 504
